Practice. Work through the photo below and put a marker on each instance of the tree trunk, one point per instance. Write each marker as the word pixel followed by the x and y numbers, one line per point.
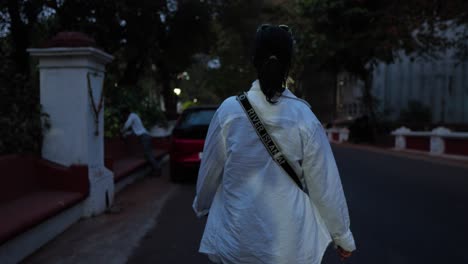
pixel 19 37
pixel 369 104
pixel 334 114
pixel 170 100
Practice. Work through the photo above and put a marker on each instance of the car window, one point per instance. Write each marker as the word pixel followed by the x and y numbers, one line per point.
pixel 197 118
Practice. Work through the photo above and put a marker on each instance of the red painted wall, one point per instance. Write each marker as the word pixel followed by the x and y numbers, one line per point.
pixel 23 174
pixel 418 143
pixel 456 146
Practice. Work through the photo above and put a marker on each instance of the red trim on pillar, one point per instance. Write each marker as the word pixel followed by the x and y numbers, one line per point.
pixel 335 136
pixel 70 39
pixel 57 177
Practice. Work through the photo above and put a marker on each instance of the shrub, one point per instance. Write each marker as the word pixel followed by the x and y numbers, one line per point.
pixel 416 112
pixel 22 120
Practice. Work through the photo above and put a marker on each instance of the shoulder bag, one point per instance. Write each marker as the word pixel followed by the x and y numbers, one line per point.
pixel 267 140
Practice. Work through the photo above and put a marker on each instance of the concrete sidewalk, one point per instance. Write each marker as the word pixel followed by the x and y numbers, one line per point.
pixel 111 237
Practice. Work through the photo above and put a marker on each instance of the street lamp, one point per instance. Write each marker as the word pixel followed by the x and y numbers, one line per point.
pixel 177 91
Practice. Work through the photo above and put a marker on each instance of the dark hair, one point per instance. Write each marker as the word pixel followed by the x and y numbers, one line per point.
pixel 272 58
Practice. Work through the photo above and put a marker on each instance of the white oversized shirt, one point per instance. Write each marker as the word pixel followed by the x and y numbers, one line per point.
pixel 257 214
pixel 135 123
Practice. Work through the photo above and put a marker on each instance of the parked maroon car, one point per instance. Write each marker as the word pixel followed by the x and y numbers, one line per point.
pixel 188 139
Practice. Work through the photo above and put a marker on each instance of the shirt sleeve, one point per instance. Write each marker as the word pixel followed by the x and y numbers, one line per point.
pixel 211 168
pixel 325 189
pixel 128 123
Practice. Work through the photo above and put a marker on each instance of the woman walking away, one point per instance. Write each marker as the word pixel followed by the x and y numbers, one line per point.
pixel 268 178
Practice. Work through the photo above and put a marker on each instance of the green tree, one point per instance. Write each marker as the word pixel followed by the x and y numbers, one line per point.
pixel 150 41
pixel 189 33
pixel 354 35
pixel 21 26
pixel 235 26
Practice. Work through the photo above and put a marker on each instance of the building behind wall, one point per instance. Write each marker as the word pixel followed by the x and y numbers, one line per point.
pixel 441 84
pixel 348 97
pixel 438 82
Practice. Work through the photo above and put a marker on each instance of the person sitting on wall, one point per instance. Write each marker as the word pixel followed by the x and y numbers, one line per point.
pixel 135 126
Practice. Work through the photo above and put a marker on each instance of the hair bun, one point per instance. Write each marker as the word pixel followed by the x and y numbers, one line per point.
pixel 272 58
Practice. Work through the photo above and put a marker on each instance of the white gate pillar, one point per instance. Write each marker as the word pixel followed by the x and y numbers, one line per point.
pixel 437 140
pixel 71 86
pixel 400 137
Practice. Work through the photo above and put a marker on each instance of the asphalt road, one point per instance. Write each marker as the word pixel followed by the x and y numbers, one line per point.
pixel 402 211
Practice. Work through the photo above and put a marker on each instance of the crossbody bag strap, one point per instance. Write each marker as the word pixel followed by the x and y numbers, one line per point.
pixel 267 140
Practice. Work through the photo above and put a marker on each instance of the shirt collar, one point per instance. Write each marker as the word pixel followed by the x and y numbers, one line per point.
pixel 255 86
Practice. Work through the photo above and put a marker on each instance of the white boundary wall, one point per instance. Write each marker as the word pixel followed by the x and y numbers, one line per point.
pixel 341 133
pixel 437 138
